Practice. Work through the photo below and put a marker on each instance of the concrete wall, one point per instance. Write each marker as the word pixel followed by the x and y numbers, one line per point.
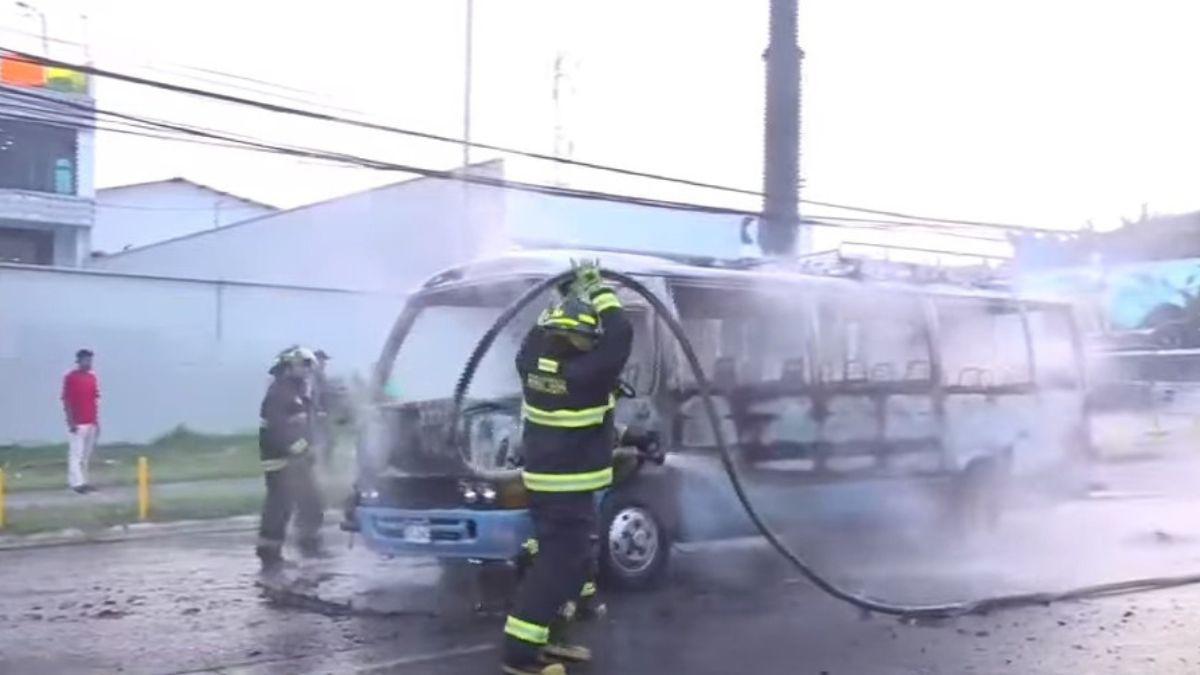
pixel 538 218
pixel 387 239
pixel 137 215
pixel 168 351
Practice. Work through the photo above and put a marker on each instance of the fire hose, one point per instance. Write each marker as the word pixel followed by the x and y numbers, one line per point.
pixel 860 601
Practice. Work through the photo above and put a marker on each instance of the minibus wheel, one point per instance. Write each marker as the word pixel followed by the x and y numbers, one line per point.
pixel 635 545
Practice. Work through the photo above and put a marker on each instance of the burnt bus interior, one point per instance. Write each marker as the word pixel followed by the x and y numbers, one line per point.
pixel 828 381
pixel 837 382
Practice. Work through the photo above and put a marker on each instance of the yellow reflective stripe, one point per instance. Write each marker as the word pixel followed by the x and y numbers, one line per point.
pixel 588 319
pixel 547 365
pixel 273 464
pixel 529 632
pixel 568 482
pixel 605 301
pixel 570 419
pixel 562 322
pixel 589 589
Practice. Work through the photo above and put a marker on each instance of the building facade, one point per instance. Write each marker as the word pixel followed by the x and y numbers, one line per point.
pixel 132 216
pixel 46 164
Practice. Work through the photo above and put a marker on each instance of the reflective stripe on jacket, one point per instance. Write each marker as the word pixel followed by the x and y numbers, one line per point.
pixel 568 403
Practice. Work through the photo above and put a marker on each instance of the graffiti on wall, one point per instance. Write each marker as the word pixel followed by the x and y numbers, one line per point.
pixel 1154 304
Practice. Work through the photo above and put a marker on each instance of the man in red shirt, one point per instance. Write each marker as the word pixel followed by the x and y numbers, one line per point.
pixel 81 403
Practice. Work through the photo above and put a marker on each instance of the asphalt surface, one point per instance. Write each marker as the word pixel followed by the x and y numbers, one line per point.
pixel 190 604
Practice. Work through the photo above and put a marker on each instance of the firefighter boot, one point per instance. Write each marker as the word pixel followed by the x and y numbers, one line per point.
pixel 535 669
pixel 271 560
pixel 591 607
pixel 560 652
pixel 560 649
pixel 312 548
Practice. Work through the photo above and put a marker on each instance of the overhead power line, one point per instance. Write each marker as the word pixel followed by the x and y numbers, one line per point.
pixel 327 117
pixel 243 83
pixel 392 166
pixel 179 132
pixel 930 219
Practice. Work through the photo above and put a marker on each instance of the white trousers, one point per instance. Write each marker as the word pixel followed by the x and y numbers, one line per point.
pixel 82 443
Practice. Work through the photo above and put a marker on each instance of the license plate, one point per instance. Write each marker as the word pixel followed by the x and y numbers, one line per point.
pixel 417 534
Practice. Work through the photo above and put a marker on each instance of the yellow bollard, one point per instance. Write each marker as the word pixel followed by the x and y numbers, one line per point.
pixel 1 499
pixel 143 477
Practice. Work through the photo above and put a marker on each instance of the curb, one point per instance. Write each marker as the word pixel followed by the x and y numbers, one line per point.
pixel 128 532
pixel 138 531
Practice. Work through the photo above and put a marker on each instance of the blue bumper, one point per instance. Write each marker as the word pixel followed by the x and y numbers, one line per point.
pixel 444 533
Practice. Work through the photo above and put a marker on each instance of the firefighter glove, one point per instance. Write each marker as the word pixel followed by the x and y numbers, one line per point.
pixel 646 441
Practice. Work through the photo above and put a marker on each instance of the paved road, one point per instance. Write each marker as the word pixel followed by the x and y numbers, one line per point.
pixel 189 604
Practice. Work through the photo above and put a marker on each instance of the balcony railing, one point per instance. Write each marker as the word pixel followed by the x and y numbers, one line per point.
pixel 46 207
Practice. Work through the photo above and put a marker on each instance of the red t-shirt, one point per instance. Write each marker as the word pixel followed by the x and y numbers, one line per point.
pixel 81 393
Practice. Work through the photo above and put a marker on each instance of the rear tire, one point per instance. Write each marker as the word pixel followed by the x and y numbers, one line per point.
pixel 635 545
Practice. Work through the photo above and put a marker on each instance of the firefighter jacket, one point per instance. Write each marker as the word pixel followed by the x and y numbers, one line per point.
pixel 568 404
pixel 285 427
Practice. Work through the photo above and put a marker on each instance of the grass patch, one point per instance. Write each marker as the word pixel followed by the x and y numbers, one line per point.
pixel 181 455
pixel 91 517
pixel 192 476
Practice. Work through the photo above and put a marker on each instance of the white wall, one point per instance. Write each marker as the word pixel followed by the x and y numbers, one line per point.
pixel 137 215
pixel 593 223
pixel 168 351
pixel 387 239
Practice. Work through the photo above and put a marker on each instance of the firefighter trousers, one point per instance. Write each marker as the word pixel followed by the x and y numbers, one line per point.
pixel 291 490
pixel 563 523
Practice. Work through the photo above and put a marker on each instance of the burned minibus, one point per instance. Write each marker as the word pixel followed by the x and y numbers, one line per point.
pixel 840 398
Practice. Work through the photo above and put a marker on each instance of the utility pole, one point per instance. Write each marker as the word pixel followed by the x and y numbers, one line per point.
pixel 467 56
pixel 780 231
pixel 42 16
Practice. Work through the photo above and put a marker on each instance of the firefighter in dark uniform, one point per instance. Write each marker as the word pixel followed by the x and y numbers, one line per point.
pixel 285 439
pixel 569 365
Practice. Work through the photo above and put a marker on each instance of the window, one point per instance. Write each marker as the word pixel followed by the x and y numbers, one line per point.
pixel 641 370
pixel 36 157
pixel 448 328
pixel 877 337
pixel 982 343
pixel 31 247
pixel 744 335
pixel 1053 346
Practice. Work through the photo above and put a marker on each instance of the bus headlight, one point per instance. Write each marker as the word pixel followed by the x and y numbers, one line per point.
pixel 477 493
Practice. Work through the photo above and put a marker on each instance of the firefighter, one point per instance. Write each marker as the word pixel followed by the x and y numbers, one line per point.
pixel 285 437
pixel 569 364
pixel 589 606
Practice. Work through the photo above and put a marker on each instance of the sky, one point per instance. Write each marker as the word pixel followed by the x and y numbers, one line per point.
pixel 1048 113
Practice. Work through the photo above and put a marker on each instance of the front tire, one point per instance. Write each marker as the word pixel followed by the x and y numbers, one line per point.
pixel 635 545
pixel 980 496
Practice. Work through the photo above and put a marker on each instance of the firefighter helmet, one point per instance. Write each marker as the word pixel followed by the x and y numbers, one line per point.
pixel 571 316
pixel 293 355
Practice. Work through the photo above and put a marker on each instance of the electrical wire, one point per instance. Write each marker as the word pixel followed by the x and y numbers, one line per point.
pixel 976 223
pixel 326 117
pixel 158 68
pixel 488 146
pixel 406 168
pixel 206 136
